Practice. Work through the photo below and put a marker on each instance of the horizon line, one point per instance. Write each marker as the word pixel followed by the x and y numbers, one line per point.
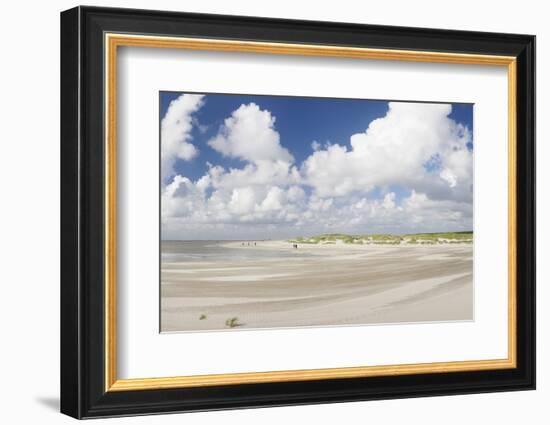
pixel 321 234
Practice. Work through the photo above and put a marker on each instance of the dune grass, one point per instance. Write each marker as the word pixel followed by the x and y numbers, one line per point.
pixel 388 238
pixel 232 322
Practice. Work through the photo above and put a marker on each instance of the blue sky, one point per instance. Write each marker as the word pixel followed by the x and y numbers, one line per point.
pixel 321 119
pixel 309 150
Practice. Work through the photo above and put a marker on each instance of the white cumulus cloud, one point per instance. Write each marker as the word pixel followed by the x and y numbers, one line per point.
pixel 249 134
pixel 176 129
pixel 393 151
pixel 415 148
pixel 315 145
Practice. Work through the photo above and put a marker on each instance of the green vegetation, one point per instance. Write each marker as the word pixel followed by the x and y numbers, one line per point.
pixel 325 239
pixel 232 322
pixel 202 317
pixel 446 235
pixel 388 239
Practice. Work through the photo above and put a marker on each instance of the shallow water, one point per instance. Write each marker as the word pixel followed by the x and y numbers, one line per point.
pixel 184 251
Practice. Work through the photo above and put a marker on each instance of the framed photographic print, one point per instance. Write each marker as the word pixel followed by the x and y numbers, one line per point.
pixel 261 212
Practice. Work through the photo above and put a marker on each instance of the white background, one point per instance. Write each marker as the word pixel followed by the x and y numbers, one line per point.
pixel 143 352
pixel 29 175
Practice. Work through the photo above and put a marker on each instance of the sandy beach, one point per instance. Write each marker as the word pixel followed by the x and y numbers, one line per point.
pixel 273 285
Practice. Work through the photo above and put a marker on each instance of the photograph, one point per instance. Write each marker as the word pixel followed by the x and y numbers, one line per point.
pixel 291 212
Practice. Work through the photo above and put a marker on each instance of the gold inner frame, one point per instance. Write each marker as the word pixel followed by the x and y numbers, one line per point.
pixel 113 41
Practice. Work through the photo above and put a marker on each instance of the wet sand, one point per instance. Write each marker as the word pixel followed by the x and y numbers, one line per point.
pixel 333 285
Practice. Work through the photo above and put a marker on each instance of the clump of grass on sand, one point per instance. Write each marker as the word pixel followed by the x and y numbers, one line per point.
pixel 232 322
pixel 202 317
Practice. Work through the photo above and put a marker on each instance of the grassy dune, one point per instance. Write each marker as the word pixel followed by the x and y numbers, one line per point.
pixel 388 239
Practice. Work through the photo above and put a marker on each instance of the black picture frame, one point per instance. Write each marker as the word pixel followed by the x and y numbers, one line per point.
pixel 83 392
